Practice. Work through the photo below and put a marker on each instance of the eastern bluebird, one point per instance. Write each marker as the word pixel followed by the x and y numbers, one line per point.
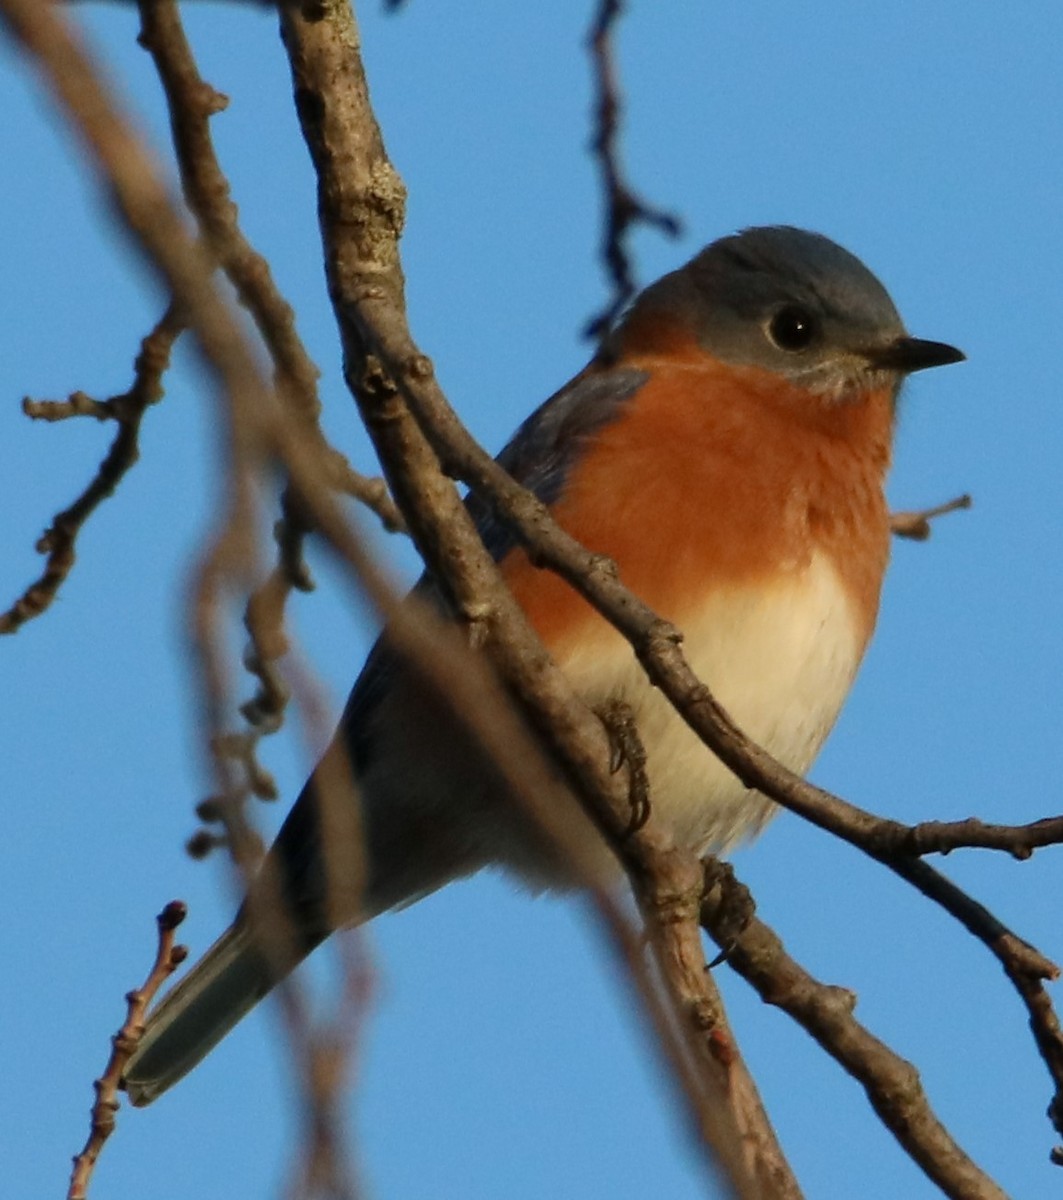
pixel 727 447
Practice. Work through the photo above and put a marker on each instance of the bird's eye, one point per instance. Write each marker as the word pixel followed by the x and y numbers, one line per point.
pixel 793 328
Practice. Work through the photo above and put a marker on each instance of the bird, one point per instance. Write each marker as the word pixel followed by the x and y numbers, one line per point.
pixel 727 447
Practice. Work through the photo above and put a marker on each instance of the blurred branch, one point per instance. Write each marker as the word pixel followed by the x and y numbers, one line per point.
pixel 59 541
pixel 168 957
pixel 326 1054
pixel 624 208
pixel 192 102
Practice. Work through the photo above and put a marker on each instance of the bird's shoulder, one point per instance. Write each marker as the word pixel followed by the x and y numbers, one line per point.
pixel 543 451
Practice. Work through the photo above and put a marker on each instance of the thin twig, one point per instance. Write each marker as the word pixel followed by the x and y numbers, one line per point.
pixel 59 541
pixel 168 957
pixel 624 208
pixel 942 837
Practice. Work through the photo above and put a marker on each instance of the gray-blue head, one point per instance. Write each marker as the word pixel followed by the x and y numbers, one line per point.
pixel 795 303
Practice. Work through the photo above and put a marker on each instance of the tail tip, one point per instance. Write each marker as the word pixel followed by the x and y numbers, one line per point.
pixel 141 1092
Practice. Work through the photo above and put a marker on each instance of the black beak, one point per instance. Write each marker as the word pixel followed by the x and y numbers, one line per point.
pixel 908 354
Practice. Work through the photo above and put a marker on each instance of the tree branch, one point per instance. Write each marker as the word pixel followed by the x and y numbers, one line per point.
pixel 624 209
pixel 168 957
pixel 826 1012
pixel 59 541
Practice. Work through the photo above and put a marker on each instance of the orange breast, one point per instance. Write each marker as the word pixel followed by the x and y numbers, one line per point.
pixel 718 475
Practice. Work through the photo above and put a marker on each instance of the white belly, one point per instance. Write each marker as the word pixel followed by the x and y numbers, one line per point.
pixel 781 662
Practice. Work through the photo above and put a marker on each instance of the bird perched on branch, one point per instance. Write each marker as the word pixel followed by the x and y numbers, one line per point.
pixel 727 447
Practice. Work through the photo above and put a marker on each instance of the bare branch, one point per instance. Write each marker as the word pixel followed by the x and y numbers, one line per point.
pixel 826 1012
pixel 623 207
pixel 168 957
pixel 59 541
pixel 942 837
pixel 144 206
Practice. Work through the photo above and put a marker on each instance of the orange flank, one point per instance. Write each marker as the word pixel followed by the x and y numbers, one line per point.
pixel 717 476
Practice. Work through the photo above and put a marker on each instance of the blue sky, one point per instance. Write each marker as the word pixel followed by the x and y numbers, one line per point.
pixel 500 1059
